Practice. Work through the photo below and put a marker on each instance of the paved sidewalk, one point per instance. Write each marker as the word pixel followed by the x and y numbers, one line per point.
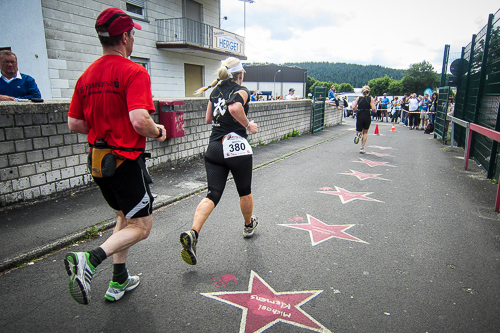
pixel 31 230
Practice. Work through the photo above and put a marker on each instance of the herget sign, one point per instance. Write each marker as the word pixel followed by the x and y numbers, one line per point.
pixel 227 41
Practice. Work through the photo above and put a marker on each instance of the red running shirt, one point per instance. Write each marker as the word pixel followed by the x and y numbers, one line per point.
pixel 105 94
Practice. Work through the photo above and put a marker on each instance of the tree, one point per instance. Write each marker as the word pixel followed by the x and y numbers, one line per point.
pixel 345 87
pixel 380 86
pixel 419 77
pixel 395 88
pixel 356 75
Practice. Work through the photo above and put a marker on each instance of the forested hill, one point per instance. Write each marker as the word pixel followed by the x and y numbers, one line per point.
pixel 356 75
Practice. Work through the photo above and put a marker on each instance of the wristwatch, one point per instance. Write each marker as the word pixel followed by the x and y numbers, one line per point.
pixel 161 132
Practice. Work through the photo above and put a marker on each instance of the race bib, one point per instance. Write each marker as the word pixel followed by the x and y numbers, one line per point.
pixel 235 145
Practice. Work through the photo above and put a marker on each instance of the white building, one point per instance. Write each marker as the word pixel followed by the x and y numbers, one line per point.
pixel 180 43
pixel 276 80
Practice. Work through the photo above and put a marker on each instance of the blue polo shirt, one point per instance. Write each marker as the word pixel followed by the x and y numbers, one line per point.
pixel 22 86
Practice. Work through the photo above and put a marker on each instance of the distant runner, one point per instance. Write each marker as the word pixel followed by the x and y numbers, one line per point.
pixel 362 106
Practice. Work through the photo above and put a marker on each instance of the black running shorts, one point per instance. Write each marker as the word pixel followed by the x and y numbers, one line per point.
pixel 363 120
pixel 127 190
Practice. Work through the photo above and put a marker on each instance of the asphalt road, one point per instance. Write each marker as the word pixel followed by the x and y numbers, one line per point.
pixel 409 245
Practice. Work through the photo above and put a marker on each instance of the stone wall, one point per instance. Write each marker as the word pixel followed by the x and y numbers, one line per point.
pixel 40 156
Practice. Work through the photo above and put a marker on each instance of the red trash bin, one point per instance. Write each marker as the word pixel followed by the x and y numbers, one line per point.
pixel 172 120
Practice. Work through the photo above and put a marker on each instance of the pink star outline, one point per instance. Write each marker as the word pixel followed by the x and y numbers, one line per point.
pixel 378 154
pixel 383 148
pixel 263 307
pixel 362 176
pixel 347 196
pixel 320 232
pixel 371 164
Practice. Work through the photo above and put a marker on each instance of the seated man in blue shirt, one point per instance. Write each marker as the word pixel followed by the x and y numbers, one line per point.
pixel 14 85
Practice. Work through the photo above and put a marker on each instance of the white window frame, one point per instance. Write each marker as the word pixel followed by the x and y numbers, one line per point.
pixel 138 3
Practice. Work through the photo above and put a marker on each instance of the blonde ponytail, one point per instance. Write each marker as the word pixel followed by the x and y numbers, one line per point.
pixel 223 74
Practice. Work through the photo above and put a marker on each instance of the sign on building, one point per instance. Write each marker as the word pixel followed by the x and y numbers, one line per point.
pixel 227 41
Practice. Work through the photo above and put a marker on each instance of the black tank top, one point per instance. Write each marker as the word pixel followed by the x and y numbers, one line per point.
pixel 364 103
pixel 222 120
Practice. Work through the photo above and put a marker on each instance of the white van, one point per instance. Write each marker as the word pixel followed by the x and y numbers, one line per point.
pixel 350 98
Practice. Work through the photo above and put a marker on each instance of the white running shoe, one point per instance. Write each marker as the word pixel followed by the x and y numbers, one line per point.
pixel 188 252
pixel 116 290
pixel 80 272
pixel 248 231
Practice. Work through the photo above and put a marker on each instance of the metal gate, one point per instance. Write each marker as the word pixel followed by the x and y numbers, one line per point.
pixel 318 114
pixel 440 125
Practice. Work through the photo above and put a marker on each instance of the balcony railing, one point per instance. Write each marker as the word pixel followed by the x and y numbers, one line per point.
pixel 184 31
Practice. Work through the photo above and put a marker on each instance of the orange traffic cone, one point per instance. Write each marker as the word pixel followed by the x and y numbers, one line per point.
pixel 376 130
pixel 393 129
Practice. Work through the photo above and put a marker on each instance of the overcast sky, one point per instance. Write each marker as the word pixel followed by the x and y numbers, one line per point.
pixel 390 33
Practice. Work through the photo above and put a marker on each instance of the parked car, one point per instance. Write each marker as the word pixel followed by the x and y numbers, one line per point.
pixel 350 98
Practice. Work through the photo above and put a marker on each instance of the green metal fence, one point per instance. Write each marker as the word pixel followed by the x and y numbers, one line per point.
pixel 440 128
pixel 318 114
pixel 478 93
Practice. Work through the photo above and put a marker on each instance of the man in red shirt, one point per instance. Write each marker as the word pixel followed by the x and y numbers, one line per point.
pixel 112 103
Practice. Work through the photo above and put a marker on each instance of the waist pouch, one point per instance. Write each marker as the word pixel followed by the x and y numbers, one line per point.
pixel 103 162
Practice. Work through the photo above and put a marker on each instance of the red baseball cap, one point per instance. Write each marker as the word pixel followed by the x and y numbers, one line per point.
pixel 114 21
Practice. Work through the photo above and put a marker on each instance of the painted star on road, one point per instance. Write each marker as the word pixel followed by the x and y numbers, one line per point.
pixel 383 148
pixel 371 164
pixel 347 196
pixel 362 176
pixel 378 154
pixel 320 232
pixel 263 307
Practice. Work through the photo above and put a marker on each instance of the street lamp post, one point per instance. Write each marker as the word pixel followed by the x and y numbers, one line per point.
pixel 245 16
pixel 274 84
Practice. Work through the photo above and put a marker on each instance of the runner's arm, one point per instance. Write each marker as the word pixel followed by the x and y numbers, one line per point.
pixel 145 126
pixel 78 125
pixel 238 113
pixel 355 104
pixel 209 115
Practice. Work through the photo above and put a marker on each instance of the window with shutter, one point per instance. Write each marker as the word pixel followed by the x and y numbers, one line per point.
pixel 137 8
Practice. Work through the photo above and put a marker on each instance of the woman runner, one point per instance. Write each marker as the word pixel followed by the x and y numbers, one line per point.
pixel 228 150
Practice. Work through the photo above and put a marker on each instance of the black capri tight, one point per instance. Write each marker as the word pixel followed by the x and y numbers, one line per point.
pixel 218 168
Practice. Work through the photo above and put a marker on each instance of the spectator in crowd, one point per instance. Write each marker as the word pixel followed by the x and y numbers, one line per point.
pixel 15 85
pixel 261 98
pixel 404 109
pixel 379 109
pixel 291 93
pixel 346 105
pixel 424 113
pixel 414 114
pixel 374 113
pixel 395 109
pixel 332 96
pixel 384 103
pixel 434 103
pixel 450 112
pixel 253 97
